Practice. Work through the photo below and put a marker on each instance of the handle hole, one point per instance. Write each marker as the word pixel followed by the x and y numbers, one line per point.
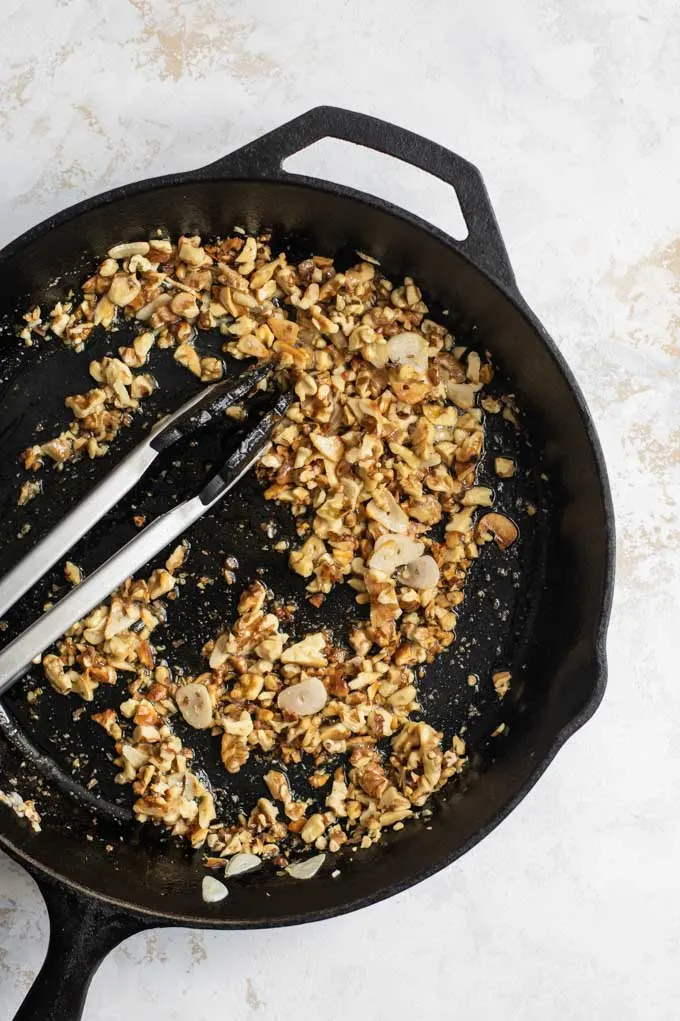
pixel 385 177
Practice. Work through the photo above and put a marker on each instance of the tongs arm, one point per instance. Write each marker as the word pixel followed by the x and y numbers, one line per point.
pixel 194 413
pixel 17 657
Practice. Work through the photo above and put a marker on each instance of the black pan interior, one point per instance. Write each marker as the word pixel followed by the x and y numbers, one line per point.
pixel 534 609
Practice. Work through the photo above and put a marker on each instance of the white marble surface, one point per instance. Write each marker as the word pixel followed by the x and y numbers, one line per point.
pixel 569 911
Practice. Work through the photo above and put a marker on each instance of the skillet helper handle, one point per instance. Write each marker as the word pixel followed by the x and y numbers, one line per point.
pixel 82 932
pixel 263 158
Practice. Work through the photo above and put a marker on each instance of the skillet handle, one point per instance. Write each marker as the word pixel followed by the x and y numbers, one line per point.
pixel 263 158
pixel 82 932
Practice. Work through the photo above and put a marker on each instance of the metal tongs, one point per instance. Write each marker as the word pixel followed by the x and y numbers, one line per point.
pixel 16 657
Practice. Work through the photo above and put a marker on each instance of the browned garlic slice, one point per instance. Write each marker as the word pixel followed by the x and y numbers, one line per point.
pixel 303 699
pixel 195 705
pixel 408 349
pixel 422 573
pixel 392 551
pixel 503 530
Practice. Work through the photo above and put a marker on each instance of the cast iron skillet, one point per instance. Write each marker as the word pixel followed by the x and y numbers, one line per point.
pixel 540 609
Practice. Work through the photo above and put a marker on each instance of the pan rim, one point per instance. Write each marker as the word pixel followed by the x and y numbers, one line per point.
pixel 597 655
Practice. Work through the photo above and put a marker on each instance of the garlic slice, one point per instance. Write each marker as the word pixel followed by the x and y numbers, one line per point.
pixel 462 394
pixel 195 705
pixel 408 349
pixel 392 551
pixel 303 699
pixel 212 890
pixel 422 573
pixel 242 862
pixel 384 509
pixel 306 869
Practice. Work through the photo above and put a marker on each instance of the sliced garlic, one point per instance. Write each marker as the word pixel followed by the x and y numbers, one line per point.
pixel 242 862
pixel 306 869
pixel 462 394
pixel 303 699
pixel 408 349
pixel 392 551
pixel 195 705
pixel 422 573
pixel 218 656
pixel 212 890
pixel 384 509
pixel 127 250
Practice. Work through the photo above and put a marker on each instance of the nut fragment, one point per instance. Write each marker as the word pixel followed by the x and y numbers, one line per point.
pixel 124 289
pixel 195 705
pixel 308 652
pixel 504 467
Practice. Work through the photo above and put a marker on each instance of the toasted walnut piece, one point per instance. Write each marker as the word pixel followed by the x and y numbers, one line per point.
pixel 284 329
pixel 212 369
pixel 54 672
pixel 501 682
pixel 313 828
pixel 142 386
pixel 331 447
pixel 187 355
pixel 124 289
pixel 109 721
pixel 234 752
pixel 176 558
pixel 72 573
pixel 278 785
pixel 308 652
pixel 498 527
pixel 29 491
pixel 478 496
pixel 190 251
pixel 104 312
pixel 160 583
pixel 184 305
pixel 504 467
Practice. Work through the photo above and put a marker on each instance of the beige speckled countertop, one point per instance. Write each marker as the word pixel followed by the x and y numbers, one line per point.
pixel 569 911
